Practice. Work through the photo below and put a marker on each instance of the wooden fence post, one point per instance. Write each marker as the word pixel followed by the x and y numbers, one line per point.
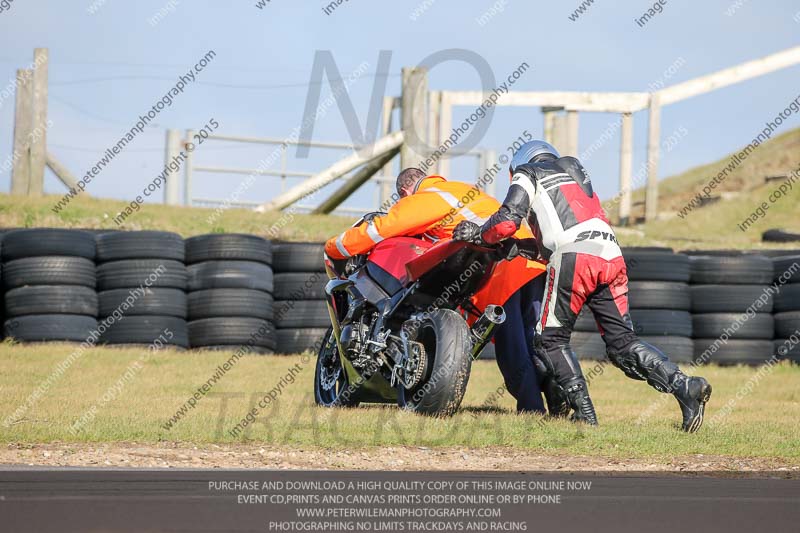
pixel 173 187
pixel 23 126
pixel 62 173
pixel 572 133
pixel 385 188
pixel 413 115
pixel 445 129
pixel 313 184
pixel 626 169
pixel 39 142
pixel 653 142
pixel 354 182
pixel 187 169
pixel 548 129
pixel 434 117
pixel 489 158
pixel 560 133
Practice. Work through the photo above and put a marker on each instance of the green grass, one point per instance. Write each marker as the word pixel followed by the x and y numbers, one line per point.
pixel 716 226
pixel 85 212
pixel 713 226
pixel 762 424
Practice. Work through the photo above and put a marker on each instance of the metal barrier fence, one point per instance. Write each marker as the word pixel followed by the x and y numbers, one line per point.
pixel 175 145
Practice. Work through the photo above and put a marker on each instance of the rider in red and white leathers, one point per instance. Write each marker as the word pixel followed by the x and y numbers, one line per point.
pixel 585 267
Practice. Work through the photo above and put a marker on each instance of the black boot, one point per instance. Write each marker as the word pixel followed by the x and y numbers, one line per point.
pixel 564 386
pixel 556 397
pixel 692 394
pixel 642 360
pixel 581 403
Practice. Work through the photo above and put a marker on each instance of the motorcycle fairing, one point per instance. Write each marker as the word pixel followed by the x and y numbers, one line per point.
pixel 387 261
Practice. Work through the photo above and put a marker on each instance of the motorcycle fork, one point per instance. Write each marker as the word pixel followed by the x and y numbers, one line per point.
pixel 339 286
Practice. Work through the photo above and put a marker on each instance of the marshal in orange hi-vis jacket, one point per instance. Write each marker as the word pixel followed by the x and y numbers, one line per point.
pixel 434 211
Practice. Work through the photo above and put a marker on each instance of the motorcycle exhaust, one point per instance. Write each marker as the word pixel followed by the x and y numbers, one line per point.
pixel 483 328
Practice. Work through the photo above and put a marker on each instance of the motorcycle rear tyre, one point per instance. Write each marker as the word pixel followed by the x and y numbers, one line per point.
pixel 446 338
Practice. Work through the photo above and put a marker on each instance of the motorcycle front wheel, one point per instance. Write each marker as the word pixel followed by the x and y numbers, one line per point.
pixel 331 385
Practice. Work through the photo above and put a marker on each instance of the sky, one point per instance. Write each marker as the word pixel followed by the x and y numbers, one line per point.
pixel 111 61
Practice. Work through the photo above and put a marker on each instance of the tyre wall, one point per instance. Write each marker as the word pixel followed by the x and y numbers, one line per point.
pixel 223 291
pixel 301 314
pixel 231 287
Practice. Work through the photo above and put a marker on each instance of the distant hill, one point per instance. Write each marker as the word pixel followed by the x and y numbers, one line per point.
pixel 716 225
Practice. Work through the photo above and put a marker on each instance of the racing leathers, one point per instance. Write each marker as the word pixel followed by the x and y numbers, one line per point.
pixel 585 267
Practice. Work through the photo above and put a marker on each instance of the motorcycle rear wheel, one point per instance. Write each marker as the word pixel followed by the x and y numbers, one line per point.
pixel 331 386
pixel 448 345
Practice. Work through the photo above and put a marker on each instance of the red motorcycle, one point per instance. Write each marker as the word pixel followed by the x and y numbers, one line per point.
pixel 396 332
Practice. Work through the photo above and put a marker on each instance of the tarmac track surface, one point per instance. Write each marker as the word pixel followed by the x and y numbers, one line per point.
pixel 145 501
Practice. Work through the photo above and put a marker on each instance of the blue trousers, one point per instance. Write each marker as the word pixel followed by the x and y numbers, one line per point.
pixel 514 346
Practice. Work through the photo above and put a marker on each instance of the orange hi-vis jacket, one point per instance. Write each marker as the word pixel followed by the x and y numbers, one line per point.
pixel 433 212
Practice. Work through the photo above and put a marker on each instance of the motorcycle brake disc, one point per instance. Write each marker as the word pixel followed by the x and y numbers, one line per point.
pixel 328 375
pixel 328 378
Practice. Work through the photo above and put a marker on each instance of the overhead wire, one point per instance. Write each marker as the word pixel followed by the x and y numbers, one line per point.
pixel 277 86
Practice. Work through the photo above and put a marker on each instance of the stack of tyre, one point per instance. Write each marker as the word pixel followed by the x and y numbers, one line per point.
pixel 141 282
pixel 301 314
pixel 659 302
pixel 49 282
pixel 230 292
pixel 787 307
pixel 732 305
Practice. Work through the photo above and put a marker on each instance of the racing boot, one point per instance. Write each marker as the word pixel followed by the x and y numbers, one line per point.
pixel 692 394
pixel 578 396
pixel 564 386
pixel 642 360
pixel 556 397
pixel 554 394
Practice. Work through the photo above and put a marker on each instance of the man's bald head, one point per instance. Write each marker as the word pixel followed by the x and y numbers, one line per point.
pixel 408 180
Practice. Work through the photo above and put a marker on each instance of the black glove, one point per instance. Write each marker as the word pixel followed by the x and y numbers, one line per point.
pixel 506 250
pixel 529 249
pixel 467 231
